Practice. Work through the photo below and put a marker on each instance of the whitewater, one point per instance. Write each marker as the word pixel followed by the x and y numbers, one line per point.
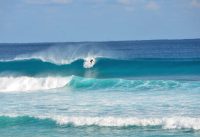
pixel 129 89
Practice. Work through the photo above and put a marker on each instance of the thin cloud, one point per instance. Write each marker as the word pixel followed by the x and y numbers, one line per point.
pixel 195 3
pixel 137 4
pixel 48 1
pixel 129 5
pixel 125 2
pixel 152 5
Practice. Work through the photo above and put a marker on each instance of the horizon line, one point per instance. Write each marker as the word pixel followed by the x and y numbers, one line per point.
pixel 90 41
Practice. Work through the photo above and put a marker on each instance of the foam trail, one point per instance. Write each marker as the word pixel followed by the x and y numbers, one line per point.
pixel 24 83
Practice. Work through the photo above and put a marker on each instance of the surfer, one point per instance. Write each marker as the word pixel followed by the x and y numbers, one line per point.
pixel 91 61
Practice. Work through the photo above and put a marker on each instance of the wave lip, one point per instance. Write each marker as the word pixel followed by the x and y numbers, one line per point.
pixel 24 83
pixel 64 54
pixel 164 123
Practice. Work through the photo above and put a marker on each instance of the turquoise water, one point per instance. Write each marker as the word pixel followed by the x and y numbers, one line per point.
pixel 104 68
pixel 143 88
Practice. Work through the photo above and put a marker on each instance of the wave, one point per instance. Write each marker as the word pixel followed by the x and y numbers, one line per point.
pixel 27 84
pixel 23 83
pixel 108 68
pixel 62 54
pixel 65 54
pixel 131 85
pixel 165 123
pixel 86 61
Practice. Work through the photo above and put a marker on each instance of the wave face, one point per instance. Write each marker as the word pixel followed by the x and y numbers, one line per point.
pixel 108 68
pixel 131 85
pixel 122 89
pixel 165 123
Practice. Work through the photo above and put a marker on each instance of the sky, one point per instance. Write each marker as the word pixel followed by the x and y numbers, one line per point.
pixel 98 20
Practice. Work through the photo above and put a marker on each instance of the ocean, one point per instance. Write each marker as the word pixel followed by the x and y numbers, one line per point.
pixel 145 88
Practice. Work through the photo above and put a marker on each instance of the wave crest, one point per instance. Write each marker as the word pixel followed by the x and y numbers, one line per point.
pixel 165 123
pixel 64 54
pixel 24 83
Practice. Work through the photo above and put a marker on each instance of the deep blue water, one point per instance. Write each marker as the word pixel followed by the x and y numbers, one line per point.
pixel 134 88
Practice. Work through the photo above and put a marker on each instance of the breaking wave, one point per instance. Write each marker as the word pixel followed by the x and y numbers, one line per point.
pixel 108 68
pixel 25 84
pixel 164 123
pixel 64 54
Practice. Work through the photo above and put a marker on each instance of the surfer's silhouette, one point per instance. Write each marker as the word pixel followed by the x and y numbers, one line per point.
pixel 91 61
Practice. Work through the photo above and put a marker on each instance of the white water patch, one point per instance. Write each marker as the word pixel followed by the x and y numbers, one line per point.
pixel 165 123
pixel 89 62
pixel 25 84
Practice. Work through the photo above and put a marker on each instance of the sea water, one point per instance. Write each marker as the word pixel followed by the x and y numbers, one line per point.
pixel 135 88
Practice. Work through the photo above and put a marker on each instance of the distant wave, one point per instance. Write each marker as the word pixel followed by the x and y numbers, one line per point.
pixel 165 123
pixel 27 84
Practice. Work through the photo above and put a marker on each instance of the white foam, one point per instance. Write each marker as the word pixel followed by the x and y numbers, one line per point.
pixel 192 123
pixel 24 83
pixel 62 55
pixel 165 123
pixel 87 62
